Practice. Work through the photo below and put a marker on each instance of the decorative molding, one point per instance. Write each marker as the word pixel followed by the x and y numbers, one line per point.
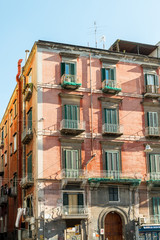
pixel 69 55
pixel 109 60
pixel 71 140
pixel 150 66
pixel 71 96
pixel 113 100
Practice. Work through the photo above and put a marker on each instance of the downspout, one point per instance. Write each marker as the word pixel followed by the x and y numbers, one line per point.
pixel 19 107
pixel 91 99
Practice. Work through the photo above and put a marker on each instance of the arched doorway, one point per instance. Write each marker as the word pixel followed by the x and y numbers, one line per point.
pixel 113 226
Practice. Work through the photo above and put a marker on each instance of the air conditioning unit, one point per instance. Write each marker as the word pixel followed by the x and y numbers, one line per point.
pixel 141 220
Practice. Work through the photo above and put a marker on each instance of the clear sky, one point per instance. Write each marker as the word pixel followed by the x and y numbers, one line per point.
pixel 69 21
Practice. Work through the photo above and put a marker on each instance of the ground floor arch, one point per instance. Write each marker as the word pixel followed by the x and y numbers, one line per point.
pixel 113 227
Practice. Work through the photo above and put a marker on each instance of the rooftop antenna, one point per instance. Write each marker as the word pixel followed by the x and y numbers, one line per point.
pixel 103 39
pixel 95 30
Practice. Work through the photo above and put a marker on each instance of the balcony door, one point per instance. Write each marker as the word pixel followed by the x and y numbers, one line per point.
pixel 113 226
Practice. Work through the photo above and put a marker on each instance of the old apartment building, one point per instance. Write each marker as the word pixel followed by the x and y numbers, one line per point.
pixel 80 155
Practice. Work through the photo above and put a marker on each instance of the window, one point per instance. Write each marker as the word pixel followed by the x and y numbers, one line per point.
pixel 111 120
pixel 156 208
pixel 29 206
pixel 152 119
pixel 2 135
pixel 154 163
pixel 113 194
pixel 108 74
pixel 69 69
pixel 11 149
pixel 15 108
pixel 112 164
pixel 11 118
pixel 151 79
pixel 15 142
pixel 2 157
pixel 5 129
pixel 5 158
pixel 73 203
pixel 71 116
pixel 30 76
pixel 29 166
pixel 71 163
pixel 29 114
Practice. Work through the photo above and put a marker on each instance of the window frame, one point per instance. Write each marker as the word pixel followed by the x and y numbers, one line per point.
pixel 15 142
pixel 118 196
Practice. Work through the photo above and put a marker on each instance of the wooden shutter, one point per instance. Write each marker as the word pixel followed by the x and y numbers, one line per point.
pixel 112 77
pixel 29 165
pixel 145 79
pixel 152 119
pixel 65 199
pixel 156 80
pixel 72 67
pixel 75 159
pixel 103 74
pixel 80 199
pixel 30 119
pixel 62 68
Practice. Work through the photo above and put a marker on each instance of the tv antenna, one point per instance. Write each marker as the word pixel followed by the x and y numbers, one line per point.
pixel 103 39
pixel 95 31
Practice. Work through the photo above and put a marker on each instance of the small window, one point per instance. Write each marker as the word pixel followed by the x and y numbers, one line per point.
pixel 29 166
pixel 113 194
pixel 29 114
pixel 30 76
pixel 5 158
pixel 151 79
pixel 15 108
pixel 15 142
pixel 108 74
pixel 11 149
pixel 11 118
pixel 2 134
pixel 5 129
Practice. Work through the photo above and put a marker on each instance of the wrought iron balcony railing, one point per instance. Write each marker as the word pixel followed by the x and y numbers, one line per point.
pixel 27 181
pixel 112 129
pixel 70 81
pixel 27 135
pixel 152 131
pixel 68 126
pixel 111 86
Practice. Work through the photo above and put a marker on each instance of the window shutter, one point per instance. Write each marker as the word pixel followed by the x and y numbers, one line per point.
pixel 156 80
pixel 152 163
pixel 65 199
pixel 29 166
pixel 30 119
pixel 145 79
pixel 75 159
pixel 62 68
pixel 112 77
pixel 155 119
pixel 80 199
pixel 103 74
pixel 73 72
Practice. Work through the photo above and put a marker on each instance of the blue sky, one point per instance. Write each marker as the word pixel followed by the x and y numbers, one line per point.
pixel 69 21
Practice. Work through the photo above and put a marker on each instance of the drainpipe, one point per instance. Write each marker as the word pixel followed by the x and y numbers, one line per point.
pixel 19 108
pixel 91 99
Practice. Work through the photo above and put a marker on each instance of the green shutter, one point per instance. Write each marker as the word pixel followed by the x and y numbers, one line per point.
pixel 152 118
pixel 145 79
pixel 112 74
pixel 80 199
pixel 30 119
pixel 156 80
pixel 65 199
pixel 103 74
pixel 75 161
pixel 29 166
pixel 72 67
pixel 62 68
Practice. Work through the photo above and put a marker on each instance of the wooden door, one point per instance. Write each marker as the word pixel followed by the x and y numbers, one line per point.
pixel 113 227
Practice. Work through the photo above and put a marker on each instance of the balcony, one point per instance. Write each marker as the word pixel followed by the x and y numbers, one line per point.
pixel 3 199
pixel 73 127
pixel 27 181
pixel 70 81
pixel 152 132
pixel 1 144
pixel 12 192
pixel 112 129
pixel 151 91
pixel 75 212
pixel 153 179
pixel 27 135
pixel 28 92
pixel 111 86
pixel 114 176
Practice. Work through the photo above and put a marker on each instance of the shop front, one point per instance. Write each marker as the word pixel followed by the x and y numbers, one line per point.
pixel 151 232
